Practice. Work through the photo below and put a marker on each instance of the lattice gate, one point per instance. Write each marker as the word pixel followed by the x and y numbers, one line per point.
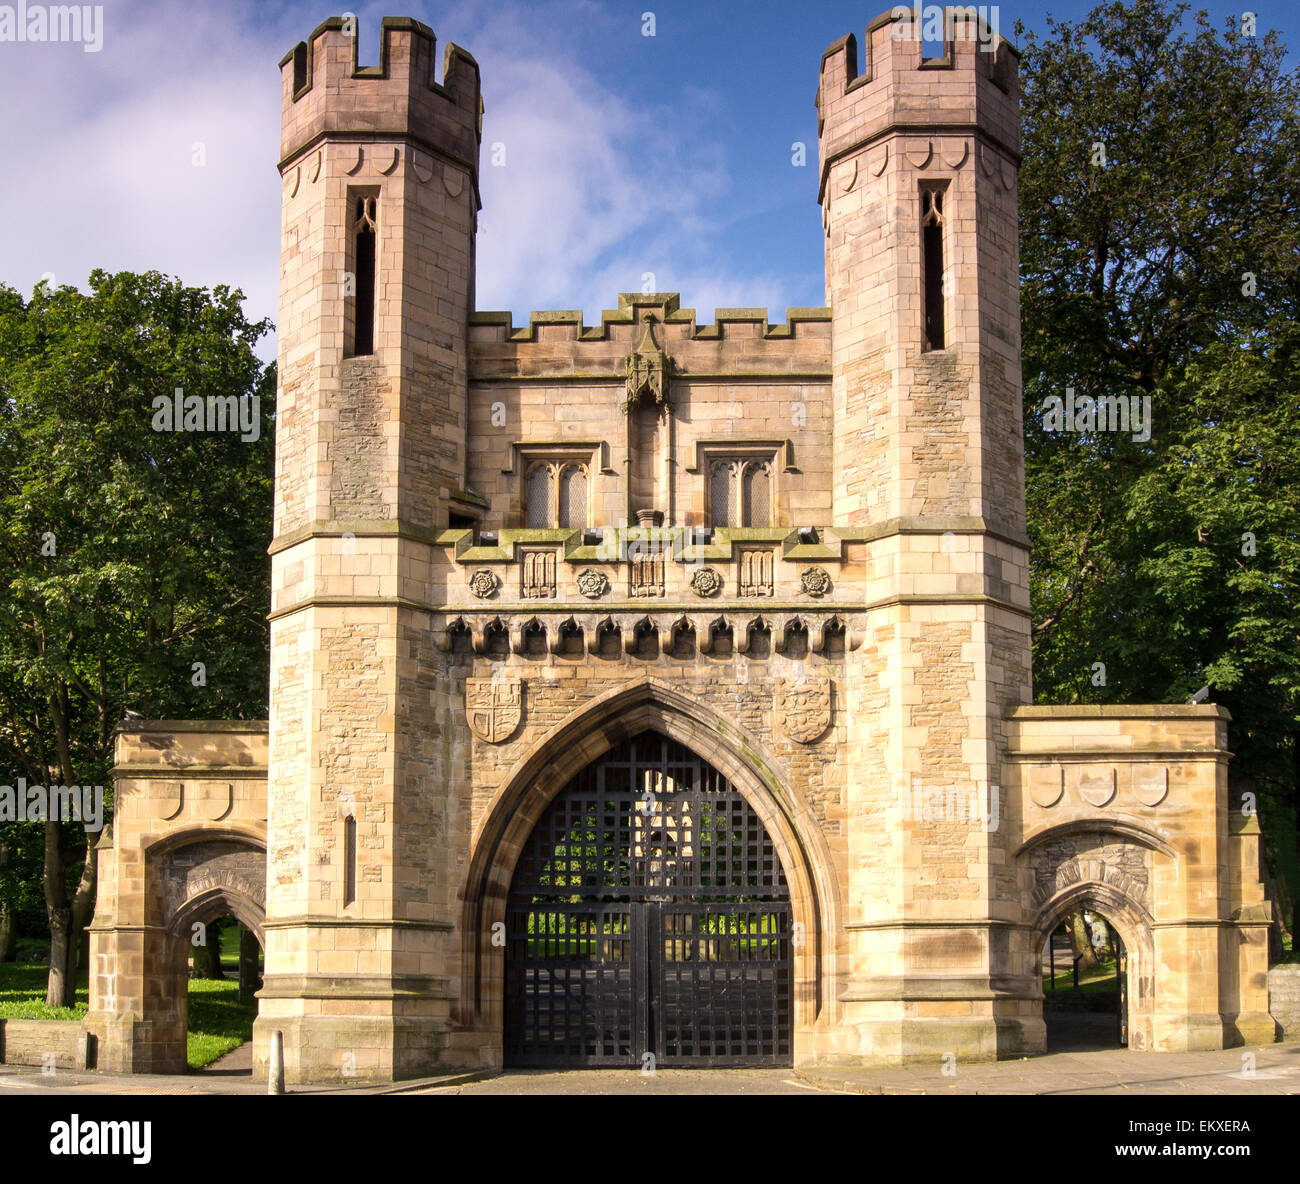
pixel 649 913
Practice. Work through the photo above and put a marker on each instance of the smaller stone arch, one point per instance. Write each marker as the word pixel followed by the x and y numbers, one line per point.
pixel 191 865
pixel 207 906
pixel 1105 869
pixel 194 876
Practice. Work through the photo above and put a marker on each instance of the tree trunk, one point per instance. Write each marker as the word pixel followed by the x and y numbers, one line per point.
pixel 83 912
pixel 207 957
pixel 59 914
pixel 248 948
pixel 67 920
pixel 8 933
pixel 1081 941
pixel 1295 832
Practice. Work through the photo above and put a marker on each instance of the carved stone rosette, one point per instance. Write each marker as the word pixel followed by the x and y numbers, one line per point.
pixel 484 583
pixel 706 582
pixel 593 584
pixel 816 581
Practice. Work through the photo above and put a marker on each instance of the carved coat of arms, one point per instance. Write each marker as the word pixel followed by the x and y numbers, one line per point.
pixel 803 708
pixel 493 707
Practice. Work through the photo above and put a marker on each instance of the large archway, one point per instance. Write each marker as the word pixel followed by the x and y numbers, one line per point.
pixel 586 736
pixel 648 921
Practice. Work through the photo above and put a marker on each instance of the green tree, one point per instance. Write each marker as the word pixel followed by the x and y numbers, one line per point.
pixel 1159 261
pixel 135 573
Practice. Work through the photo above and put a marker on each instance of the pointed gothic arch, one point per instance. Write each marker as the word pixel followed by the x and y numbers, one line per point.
pixel 583 739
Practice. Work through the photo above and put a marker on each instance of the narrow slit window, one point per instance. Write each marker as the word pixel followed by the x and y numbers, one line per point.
pixel 349 861
pixel 365 242
pixel 932 266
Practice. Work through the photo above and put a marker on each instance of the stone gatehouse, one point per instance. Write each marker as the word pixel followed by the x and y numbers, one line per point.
pixel 657 688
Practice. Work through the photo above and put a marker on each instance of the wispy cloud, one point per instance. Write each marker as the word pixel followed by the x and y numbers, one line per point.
pixel 159 153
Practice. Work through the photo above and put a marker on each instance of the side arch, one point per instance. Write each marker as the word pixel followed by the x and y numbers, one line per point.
pixel 194 874
pixel 1107 869
pixel 189 867
pixel 583 739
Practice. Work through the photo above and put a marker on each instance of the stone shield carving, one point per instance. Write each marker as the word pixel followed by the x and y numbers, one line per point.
pixel 493 707
pixel 803 709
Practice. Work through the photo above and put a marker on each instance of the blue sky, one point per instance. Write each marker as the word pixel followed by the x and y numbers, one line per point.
pixel 626 155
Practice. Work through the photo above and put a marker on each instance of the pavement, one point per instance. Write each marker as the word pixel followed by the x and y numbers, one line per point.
pixel 1270 1069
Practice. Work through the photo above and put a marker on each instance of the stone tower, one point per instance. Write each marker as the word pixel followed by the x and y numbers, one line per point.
pixel 380 200
pixel 918 193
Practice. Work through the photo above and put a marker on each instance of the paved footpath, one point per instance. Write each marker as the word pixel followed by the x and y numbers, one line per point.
pixel 1276 1070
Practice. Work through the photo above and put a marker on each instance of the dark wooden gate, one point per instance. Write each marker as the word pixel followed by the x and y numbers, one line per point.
pixel 649 916
pixel 1121 974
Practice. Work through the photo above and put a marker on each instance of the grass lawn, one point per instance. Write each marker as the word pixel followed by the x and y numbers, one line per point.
pixel 1102 978
pixel 22 993
pixel 218 1021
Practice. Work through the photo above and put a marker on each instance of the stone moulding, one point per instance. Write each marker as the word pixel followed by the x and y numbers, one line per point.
pixel 555 620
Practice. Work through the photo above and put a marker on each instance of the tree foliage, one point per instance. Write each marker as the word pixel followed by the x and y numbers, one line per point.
pixel 1159 259
pixel 128 555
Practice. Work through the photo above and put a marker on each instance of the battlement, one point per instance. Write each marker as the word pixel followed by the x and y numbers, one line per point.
pixel 325 91
pixel 974 83
pixel 626 323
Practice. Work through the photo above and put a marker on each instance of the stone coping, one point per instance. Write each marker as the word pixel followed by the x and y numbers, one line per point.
pixel 667 304
pixel 250 726
pixel 677 538
pixel 1120 711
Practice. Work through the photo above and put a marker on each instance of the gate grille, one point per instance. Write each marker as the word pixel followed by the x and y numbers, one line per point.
pixel 649 913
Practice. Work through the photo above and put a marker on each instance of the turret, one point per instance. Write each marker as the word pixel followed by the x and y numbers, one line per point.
pixel 380 201
pixel 918 193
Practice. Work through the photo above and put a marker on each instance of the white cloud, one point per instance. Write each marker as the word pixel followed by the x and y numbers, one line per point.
pixel 597 189
pixel 107 150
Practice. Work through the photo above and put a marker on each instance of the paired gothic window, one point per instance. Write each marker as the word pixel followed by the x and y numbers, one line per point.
pixel 557 495
pixel 740 492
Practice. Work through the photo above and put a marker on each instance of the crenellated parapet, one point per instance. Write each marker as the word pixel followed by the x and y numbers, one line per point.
pixel 739 341
pixel 974 83
pixel 325 92
pixel 621 324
